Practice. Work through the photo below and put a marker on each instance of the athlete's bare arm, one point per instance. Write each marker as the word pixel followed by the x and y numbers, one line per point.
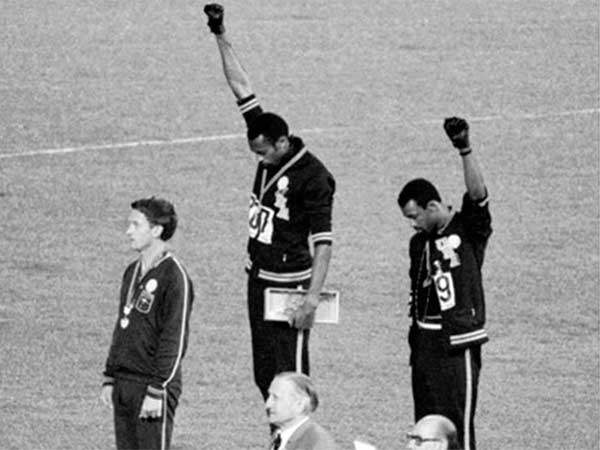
pixel 235 74
pixel 473 177
pixel 457 130
pixel 304 316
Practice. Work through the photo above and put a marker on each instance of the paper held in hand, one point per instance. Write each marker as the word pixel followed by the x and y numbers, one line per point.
pixel 280 300
pixel 359 445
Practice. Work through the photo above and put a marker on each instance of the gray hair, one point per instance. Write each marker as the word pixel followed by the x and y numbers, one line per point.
pixel 442 427
pixel 304 386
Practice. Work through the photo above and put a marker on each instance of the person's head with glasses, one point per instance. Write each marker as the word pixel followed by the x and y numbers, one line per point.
pixel 433 432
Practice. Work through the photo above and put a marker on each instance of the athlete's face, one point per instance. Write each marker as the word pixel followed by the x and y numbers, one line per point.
pixel 268 152
pixel 141 232
pixel 421 219
pixel 284 403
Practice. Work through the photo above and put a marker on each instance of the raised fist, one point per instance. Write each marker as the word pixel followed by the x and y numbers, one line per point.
pixel 215 13
pixel 457 130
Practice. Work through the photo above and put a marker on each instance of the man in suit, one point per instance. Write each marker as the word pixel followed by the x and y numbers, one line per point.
pixel 292 399
pixel 433 432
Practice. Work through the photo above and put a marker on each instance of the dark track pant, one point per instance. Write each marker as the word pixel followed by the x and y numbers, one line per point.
pixel 273 343
pixel 445 382
pixel 134 433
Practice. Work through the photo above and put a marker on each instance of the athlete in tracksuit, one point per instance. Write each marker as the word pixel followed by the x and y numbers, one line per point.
pixel 290 213
pixel 143 370
pixel 447 298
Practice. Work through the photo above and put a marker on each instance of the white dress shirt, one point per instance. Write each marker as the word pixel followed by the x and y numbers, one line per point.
pixel 286 433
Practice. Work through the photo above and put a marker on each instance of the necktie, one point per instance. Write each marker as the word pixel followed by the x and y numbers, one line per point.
pixel 276 442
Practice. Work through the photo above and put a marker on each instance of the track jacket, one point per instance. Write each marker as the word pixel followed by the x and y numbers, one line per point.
pixel 149 342
pixel 290 209
pixel 446 286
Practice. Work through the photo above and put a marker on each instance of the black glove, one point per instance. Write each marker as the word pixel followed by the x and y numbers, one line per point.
pixel 457 130
pixel 215 13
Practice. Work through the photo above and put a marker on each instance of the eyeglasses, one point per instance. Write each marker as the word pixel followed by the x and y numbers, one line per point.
pixel 420 440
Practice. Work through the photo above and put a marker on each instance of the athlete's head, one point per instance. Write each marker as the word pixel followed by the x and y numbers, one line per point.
pixel 433 432
pixel 292 396
pixel 420 190
pixel 268 137
pixel 159 213
pixel 421 203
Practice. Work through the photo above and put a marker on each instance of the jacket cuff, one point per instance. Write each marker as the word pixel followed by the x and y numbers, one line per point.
pixel 250 99
pixel 467 339
pixel 155 392
pixel 324 237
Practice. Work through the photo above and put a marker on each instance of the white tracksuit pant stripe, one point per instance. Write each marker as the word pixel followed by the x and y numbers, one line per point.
pixel 468 399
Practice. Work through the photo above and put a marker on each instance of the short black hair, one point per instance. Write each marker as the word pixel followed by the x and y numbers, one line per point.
pixel 158 211
pixel 420 190
pixel 270 125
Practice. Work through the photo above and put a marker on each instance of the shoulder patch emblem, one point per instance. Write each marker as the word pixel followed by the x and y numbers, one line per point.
pixel 151 285
pixel 448 245
pixel 146 297
pixel 280 198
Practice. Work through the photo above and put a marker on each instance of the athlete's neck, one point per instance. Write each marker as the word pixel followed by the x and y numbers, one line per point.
pixel 445 219
pixel 152 254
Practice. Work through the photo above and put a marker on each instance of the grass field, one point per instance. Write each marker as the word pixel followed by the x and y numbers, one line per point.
pixel 104 102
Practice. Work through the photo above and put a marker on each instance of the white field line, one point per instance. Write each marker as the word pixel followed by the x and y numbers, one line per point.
pixel 224 137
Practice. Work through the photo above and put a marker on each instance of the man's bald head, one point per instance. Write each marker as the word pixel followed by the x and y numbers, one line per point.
pixel 434 432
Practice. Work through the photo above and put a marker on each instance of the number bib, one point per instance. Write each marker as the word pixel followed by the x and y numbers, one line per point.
pixel 444 287
pixel 260 222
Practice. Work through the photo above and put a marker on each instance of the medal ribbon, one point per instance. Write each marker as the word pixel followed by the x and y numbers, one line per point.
pixel 131 290
pixel 264 188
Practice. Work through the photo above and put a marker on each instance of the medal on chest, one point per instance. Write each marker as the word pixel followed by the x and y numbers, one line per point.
pixel 143 301
pixel 124 322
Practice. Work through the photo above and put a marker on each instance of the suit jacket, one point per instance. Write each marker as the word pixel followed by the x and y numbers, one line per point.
pixel 310 436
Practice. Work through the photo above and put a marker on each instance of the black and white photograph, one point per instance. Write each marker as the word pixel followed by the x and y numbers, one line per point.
pixel 310 225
